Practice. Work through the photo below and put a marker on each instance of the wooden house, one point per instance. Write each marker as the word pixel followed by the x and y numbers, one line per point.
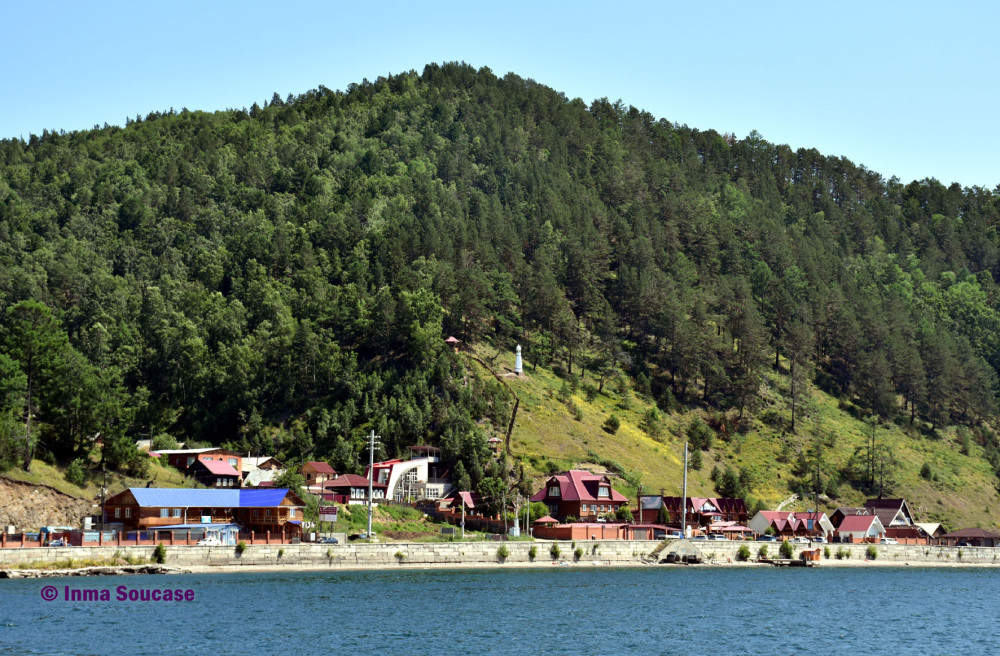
pixel 579 494
pixel 317 473
pixel 260 510
pixel 352 490
pixel 859 528
pixel 214 473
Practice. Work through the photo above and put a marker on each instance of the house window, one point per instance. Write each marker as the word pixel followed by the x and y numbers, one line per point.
pixel 267 513
pixel 128 512
pixel 118 512
pixel 164 512
pixel 177 512
pixel 232 462
pixel 603 492
pixel 190 460
pixel 554 491
pixel 291 512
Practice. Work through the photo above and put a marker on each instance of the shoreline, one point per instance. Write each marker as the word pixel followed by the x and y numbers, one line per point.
pixel 154 569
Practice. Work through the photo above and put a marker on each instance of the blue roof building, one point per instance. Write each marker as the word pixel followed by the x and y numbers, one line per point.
pixel 277 510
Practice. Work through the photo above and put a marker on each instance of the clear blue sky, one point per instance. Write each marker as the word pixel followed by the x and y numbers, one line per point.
pixel 905 88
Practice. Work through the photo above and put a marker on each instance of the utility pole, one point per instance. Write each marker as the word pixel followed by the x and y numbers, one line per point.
pixel 638 498
pixel 463 515
pixel 371 475
pixel 684 497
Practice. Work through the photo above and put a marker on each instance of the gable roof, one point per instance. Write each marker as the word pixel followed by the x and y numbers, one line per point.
pixel 319 467
pixel 859 523
pixel 217 467
pixel 888 509
pixel 579 485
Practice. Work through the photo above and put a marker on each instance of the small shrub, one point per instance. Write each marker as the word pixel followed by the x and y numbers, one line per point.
pixel 612 424
pixel 786 549
pixel 871 552
pixel 826 552
pixel 532 552
pixel 589 392
pixel 503 552
pixel 74 473
pixel 400 556
pixel 554 551
pixel 762 552
pixel 159 554
pixel 842 553
pixel 281 552
pixel 578 553
pixel 241 546
pixel 743 553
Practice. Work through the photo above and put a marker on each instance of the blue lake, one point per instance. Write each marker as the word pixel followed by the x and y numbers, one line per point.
pixel 666 610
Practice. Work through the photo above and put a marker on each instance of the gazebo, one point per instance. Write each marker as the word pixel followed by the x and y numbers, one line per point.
pixel 453 342
pixel 548 520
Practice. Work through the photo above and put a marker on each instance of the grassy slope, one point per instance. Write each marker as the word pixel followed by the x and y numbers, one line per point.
pixel 965 493
pixel 53 476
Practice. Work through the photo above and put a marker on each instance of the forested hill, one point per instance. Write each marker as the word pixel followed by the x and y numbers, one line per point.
pixel 280 279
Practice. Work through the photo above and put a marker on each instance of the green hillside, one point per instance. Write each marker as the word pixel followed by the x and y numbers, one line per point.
pixel 280 279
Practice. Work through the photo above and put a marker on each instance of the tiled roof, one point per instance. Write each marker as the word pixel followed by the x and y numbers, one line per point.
pixel 320 467
pixel 854 523
pixel 350 480
pixel 579 485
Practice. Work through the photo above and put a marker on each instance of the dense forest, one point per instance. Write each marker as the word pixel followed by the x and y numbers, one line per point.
pixel 280 279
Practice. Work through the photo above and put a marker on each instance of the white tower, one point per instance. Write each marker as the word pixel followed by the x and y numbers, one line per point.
pixel 518 365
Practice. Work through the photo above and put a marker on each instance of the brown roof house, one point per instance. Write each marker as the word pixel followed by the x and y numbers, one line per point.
pixel 972 537
pixel 317 473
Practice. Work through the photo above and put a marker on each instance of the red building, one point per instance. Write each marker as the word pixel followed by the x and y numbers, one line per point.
pixel 214 473
pixel 698 512
pixel 579 494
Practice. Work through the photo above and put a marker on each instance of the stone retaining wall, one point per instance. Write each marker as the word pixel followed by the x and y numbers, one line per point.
pixel 610 552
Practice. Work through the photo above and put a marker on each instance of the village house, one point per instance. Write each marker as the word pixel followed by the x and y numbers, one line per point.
pixel 579 494
pixel 421 477
pixel 317 473
pixel 700 513
pixel 214 473
pixel 139 508
pixel 352 490
pixel 182 459
pixel 971 537
pixel 859 528
pixel 785 525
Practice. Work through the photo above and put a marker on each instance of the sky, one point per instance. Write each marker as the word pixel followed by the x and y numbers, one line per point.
pixel 907 89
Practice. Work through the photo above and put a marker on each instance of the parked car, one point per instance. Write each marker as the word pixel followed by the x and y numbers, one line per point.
pixel 210 542
pixel 700 537
pixel 820 540
pixel 58 543
pixel 767 538
pixel 716 536
pixel 799 540
pixel 328 541
pixel 888 541
pixel 675 535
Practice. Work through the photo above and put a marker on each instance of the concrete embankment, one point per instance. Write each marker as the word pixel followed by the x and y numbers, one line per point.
pixel 610 553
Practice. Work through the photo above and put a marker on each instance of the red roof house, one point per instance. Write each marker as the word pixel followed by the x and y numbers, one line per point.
pixel 860 528
pixel 352 490
pixel 214 473
pixel 580 494
pixel 792 524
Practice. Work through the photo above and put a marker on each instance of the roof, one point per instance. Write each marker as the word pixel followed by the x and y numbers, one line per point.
pixel 973 533
pixel 855 523
pixel 350 480
pixel 579 485
pixel 169 452
pixel 930 528
pixel 546 520
pixel 451 340
pixel 218 467
pixel 320 467
pixel 155 497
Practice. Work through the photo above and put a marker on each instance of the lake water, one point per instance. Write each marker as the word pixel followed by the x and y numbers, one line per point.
pixel 665 610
